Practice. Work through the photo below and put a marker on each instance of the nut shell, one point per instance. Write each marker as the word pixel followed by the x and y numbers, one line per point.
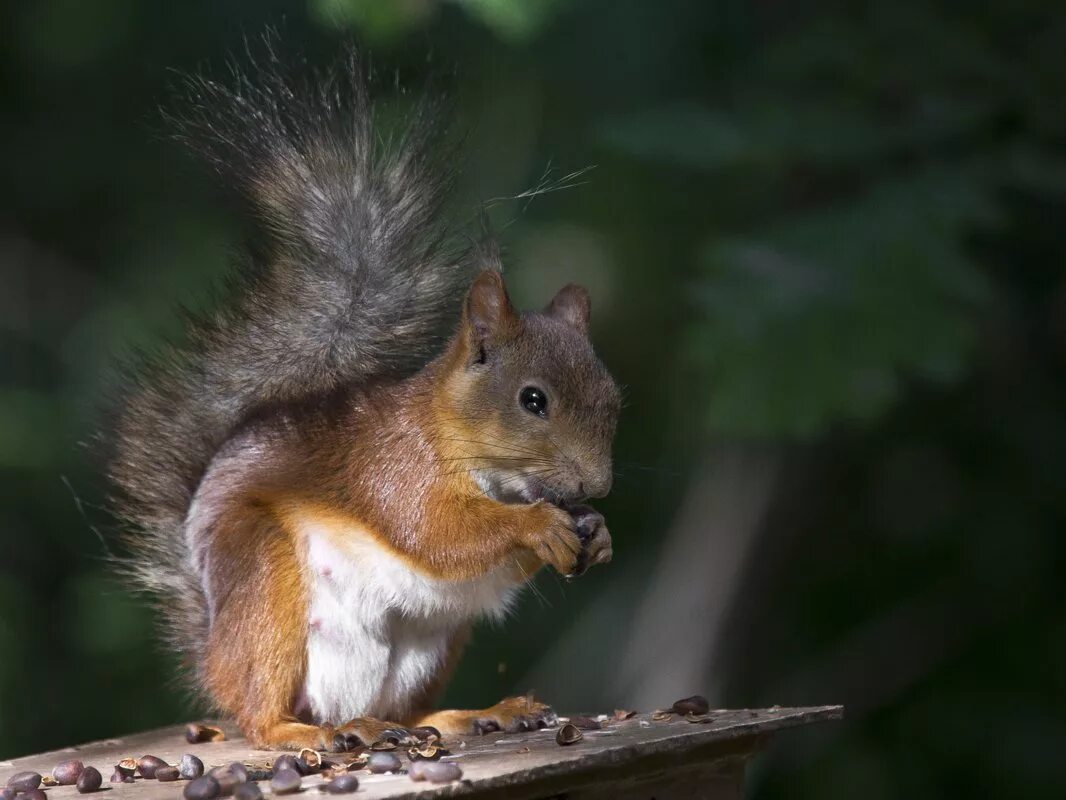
pixel 309 761
pixel 569 734
pixel 127 766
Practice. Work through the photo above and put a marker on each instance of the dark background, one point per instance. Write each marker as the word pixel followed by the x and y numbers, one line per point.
pixel 825 245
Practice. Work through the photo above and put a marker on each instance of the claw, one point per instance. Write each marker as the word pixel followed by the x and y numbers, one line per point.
pixel 483 726
pixel 346 742
pixel 519 725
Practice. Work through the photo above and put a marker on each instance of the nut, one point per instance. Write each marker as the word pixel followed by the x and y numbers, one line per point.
pixel 435 771
pixel 24 781
pixel 203 788
pixel 585 723
pixel 342 784
pixel 147 765
pixel 67 772
pixel 697 704
pixel 287 781
pixel 190 767
pixel 379 763
pixel 286 761
pixel 238 771
pixel 89 780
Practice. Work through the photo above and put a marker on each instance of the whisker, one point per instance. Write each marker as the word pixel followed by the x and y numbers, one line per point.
pixel 648 468
pixel 501 445
pixel 528 579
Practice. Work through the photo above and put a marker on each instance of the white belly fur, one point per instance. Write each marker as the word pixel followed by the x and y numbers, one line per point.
pixel 378 630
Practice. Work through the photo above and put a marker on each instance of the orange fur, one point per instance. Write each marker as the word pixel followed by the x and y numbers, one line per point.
pixel 504 715
pixel 255 653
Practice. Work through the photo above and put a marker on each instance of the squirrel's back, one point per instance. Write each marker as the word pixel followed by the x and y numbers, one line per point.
pixel 351 282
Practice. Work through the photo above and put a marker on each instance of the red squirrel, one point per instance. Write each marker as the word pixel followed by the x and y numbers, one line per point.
pixel 322 492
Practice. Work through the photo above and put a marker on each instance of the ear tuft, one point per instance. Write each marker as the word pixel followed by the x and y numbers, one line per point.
pixel 571 305
pixel 489 312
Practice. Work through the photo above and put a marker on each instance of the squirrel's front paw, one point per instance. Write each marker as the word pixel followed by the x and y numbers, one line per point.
pixel 591 529
pixel 558 544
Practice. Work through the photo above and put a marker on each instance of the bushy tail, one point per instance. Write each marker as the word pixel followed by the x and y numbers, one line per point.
pixel 353 280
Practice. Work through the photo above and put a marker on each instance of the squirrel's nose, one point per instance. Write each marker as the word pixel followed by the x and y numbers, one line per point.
pixel 598 486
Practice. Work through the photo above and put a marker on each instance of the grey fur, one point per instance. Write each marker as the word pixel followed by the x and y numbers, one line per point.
pixel 355 277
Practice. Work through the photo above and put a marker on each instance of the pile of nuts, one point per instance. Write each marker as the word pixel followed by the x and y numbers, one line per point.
pixel 424 750
pixel 238 780
pixel 27 785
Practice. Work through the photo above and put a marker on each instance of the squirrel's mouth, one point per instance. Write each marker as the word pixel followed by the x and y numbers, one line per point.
pixel 520 489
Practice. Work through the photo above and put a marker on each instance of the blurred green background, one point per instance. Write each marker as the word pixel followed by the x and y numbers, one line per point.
pixel 825 242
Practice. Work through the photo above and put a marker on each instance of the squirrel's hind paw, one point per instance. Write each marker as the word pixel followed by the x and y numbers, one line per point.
pixel 511 715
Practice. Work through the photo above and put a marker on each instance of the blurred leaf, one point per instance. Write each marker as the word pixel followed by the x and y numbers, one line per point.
pixel 70 33
pixel 825 315
pixel 682 134
pixel 515 21
pixel 776 132
pixel 378 20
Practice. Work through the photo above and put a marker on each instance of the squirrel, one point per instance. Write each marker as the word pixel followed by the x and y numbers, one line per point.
pixel 322 492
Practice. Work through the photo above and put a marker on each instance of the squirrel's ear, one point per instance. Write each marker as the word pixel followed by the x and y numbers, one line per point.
pixel 571 305
pixel 488 311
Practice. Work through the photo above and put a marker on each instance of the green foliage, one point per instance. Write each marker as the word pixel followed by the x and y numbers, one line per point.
pixel 826 314
pixel 378 20
pixel 387 20
pixel 822 307
pixel 510 20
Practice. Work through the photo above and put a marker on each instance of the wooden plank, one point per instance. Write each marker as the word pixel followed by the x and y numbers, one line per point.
pixel 629 758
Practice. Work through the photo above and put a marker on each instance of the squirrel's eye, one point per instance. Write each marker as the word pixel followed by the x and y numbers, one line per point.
pixel 534 401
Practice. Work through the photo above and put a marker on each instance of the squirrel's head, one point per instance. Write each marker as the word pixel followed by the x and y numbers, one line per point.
pixel 530 410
